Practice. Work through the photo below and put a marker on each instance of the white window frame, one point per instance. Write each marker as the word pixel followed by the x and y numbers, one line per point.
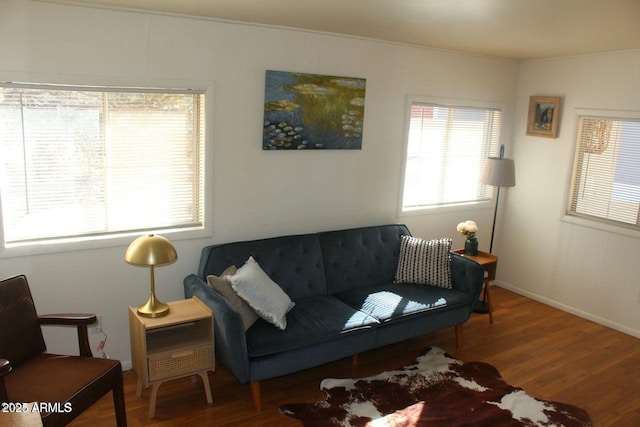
pixel 123 239
pixel 449 102
pixel 586 220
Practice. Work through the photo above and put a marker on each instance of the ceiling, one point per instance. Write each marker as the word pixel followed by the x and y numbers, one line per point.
pixel 513 29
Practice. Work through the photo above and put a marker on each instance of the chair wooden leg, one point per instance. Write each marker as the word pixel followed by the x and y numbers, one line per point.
pixel 459 335
pixel 256 396
pixel 118 403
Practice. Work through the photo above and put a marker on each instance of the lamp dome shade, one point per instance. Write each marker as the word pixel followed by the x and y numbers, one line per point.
pixel 150 250
pixel 499 172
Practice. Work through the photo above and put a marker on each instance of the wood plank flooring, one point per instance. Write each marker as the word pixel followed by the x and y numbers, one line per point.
pixel 551 354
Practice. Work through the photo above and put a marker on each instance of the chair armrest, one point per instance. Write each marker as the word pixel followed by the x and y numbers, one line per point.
pixel 67 319
pixel 80 320
pixel 5 368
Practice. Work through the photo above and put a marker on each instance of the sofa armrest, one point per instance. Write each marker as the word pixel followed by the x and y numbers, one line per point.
pixel 466 275
pixel 229 333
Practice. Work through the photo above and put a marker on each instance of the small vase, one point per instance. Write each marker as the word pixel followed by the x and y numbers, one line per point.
pixel 471 246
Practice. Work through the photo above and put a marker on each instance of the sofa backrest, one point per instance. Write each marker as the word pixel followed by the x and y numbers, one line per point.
pixel 316 264
pixel 293 262
pixel 360 257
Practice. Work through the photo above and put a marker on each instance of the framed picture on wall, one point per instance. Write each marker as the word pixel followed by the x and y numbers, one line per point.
pixel 543 116
pixel 312 111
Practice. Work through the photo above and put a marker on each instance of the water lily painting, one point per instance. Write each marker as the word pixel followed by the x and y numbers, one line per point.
pixel 310 111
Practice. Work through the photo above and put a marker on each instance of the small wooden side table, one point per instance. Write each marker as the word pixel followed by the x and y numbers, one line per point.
pixel 176 345
pixel 490 264
pixel 26 417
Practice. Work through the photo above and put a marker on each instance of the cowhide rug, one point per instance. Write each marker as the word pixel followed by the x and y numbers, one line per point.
pixel 437 390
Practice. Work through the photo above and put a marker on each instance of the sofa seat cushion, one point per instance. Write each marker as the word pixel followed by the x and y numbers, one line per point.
pixel 311 321
pixel 391 301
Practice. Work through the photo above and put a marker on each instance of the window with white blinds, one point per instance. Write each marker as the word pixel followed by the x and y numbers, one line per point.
pixel 446 149
pixel 606 173
pixel 79 162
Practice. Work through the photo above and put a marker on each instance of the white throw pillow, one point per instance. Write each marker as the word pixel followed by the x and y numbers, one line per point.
pixel 262 294
pixel 424 261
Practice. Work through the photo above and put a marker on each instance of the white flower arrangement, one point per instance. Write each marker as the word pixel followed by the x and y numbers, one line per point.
pixel 468 228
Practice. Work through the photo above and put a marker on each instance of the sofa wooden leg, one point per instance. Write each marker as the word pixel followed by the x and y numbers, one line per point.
pixel 256 396
pixel 355 360
pixel 459 335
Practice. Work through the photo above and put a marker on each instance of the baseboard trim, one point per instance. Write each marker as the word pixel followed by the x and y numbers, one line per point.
pixel 585 315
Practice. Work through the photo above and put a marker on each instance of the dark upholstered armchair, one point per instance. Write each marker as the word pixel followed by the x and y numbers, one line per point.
pixel 62 386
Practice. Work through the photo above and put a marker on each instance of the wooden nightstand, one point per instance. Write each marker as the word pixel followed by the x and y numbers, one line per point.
pixel 177 345
pixel 490 264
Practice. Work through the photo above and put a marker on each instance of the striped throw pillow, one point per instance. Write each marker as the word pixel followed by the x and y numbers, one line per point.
pixel 424 261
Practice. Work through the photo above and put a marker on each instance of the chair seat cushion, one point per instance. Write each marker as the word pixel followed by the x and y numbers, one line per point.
pixel 387 302
pixel 311 321
pixel 51 378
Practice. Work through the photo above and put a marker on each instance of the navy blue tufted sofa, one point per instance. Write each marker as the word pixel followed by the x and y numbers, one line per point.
pixel 346 301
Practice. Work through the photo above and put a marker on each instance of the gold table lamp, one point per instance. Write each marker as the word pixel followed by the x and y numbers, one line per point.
pixel 151 251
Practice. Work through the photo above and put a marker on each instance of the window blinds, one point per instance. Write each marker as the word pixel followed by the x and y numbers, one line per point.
pixel 606 177
pixel 93 161
pixel 446 149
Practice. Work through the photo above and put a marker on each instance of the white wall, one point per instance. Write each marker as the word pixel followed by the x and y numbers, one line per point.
pixel 255 193
pixel 590 272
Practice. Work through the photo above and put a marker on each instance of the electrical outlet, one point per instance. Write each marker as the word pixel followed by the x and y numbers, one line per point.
pixel 96 327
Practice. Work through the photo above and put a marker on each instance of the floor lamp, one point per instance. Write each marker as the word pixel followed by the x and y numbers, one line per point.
pixel 498 172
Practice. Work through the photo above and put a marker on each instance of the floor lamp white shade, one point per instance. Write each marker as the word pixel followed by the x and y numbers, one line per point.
pixel 498 172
